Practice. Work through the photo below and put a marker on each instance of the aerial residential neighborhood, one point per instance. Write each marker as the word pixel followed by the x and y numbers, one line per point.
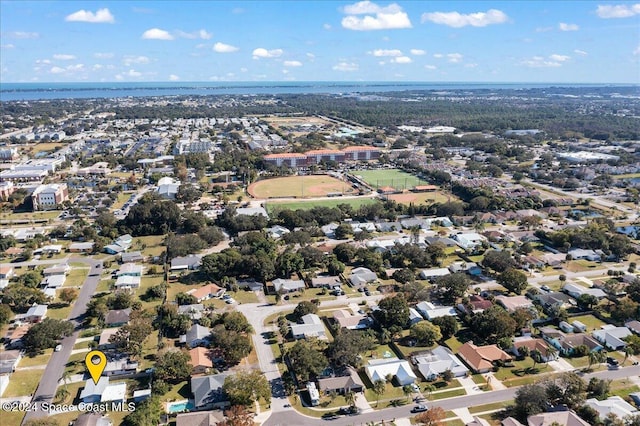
pixel 355 214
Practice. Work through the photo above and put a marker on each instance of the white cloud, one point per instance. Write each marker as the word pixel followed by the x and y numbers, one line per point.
pixel 430 67
pixel 224 48
pixel 381 63
pixel 157 34
pixel 346 66
pixel 292 63
pixel 103 55
pixel 311 56
pixel 544 29
pixel 130 59
pixel 173 77
pixel 417 52
pixel 402 60
pixel 203 34
pixel 56 70
pixel 454 57
pixel 7 46
pixel 23 35
pixel 386 52
pixel 580 52
pixel 376 17
pixel 326 26
pixel 470 65
pixel 43 61
pixel 261 52
pixel 618 11
pixel 76 67
pixel 133 73
pixel 285 72
pixel 438 55
pixel 102 16
pixel 563 26
pixel 553 61
pixel 63 57
pixel 243 69
pixel 97 67
pixel 458 20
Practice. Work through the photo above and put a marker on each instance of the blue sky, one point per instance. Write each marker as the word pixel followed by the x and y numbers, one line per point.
pixel 467 41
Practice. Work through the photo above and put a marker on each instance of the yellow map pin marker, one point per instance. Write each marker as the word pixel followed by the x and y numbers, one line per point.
pixel 95 361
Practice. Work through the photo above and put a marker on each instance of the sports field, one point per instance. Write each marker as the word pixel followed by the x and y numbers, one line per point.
pixel 304 205
pixel 389 178
pixel 421 197
pixel 299 187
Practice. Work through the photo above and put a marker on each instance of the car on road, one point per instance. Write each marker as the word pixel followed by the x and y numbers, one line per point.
pixel 330 416
pixel 613 363
pixel 419 409
pixel 349 411
pixel 545 288
pixel 58 348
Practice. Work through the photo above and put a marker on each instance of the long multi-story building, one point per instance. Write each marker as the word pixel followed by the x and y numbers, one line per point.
pixel 352 153
pixel 49 197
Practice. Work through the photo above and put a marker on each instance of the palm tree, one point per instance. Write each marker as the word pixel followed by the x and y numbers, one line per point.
pixel 428 389
pixel 406 390
pixel 627 352
pixel 535 356
pixel 350 397
pixel 379 386
pixel 592 359
pixel 552 353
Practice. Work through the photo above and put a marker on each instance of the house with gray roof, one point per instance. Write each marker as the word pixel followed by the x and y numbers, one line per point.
pixel 208 392
pixel 196 336
pixel 287 286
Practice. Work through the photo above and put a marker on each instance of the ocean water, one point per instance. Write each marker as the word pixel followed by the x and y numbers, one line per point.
pixel 48 91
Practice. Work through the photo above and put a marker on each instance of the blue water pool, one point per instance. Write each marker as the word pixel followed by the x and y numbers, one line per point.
pixel 180 406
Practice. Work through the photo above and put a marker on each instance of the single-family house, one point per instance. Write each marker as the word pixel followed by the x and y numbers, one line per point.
pixel 120 367
pixel 554 300
pixel 130 269
pixel 9 361
pixel 92 419
pixel 252 211
pixel 186 263
pixel 200 418
pixel 197 335
pixel 470 268
pixel 481 359
pixel 415 222
pixel 445 241
pixel 117 317
pixel 388 226
pixel 251 285
pixel 431 311
pixel 207 391
pixel 7 272
pixel 469 240
pixel 612 405
pixel 566 343
pixel 13 338
pixel 414 316
pixel 209 291
pixel 287 286
pixel 564 418
pixel 347 319
pixel 311 326
pixel 127 281
pixel 582 254
pixel 478 421
pixel 326 281
pixel 36 313
pixel 200 360
pixel 433 273
pixel 103 342
pixel 534 344
pixel 131 257
pixel 141 394
pixel 53 281
pixel 400 370
pixel 92 392
pixel 61 269
pixel 113 249
pixel 192 311
pixel 576 290
pixel 277 231
pixel 360 276
pixel 342 384
pixel 634 326
pixel 612 337
pixel 85 247
pixel 475 305
pixel 433 363
pixel 511 303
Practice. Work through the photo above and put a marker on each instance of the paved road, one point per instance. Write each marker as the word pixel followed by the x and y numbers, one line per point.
pixel 55 367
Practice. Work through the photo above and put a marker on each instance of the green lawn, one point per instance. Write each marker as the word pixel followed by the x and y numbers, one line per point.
pixel 244 296
pixel 61 311
pixel 448 394
pixel 23 383
pixel 76 277
pixel 303 205
pixel 521 369
pixel 122 198
pixel 43 359
pixel 30 215
pixel 389 177
pixel 489 407
pixel 590 321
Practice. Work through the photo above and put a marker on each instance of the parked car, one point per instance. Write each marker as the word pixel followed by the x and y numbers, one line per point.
pixel 419 409
pixel 58 348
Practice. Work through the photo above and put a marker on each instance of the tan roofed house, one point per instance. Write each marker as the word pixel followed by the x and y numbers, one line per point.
pixel 209 291
pixel 200 359
pixel 482 358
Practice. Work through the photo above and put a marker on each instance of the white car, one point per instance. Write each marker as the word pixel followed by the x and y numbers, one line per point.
pixel 58 348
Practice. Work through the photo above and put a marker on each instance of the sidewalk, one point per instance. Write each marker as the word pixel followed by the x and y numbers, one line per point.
pixel 494 383
pixel 469 385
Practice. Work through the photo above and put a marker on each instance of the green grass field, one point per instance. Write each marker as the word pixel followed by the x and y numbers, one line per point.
pixel 389 177
pixel 299 186
pixel 295 205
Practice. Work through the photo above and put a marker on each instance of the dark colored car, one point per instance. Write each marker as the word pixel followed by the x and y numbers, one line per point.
pixel 419 409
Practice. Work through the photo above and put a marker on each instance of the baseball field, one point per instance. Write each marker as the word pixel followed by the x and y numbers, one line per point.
pixel 393 178
pixel 300 187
